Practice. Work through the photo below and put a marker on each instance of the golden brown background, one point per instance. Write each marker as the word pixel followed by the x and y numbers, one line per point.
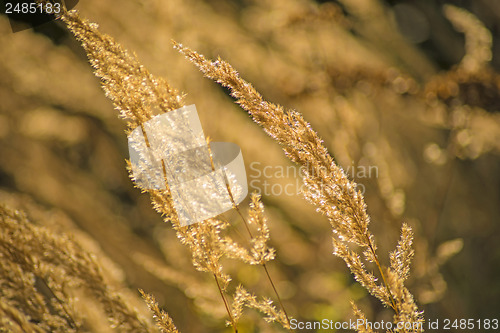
pixel 374 96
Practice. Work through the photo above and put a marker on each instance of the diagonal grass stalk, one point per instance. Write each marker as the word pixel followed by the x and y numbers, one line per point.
pixel 235 206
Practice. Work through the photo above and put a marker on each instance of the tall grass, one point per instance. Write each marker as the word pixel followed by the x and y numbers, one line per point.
pixel 43 273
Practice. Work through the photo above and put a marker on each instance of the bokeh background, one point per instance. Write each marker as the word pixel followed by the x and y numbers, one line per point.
pixel 382 82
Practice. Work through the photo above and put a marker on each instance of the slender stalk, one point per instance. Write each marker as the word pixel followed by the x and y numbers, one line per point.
pixel 377 263
pixel 233 324
pixel 383 276
pixel 238 210
pixel 277 295
pixel 226 305
pixel 69 318
pixel 265 268
pixel 250 234
pixel 231 197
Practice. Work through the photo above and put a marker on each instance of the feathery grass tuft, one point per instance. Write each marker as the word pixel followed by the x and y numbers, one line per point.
pixel 136 93
pixel 163 320
pixel 38 269
pixel 327 186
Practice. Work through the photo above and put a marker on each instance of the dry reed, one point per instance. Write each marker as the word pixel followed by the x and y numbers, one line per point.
pixel 45 303
pixel 40 269
pixel 135 93
pixel 328 188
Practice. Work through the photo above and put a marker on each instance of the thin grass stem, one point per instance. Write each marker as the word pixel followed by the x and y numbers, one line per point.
pixel 226 304
pixel 235 206
pixel 233 324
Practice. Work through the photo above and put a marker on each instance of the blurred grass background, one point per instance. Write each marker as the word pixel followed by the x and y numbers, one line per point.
pixel 375 79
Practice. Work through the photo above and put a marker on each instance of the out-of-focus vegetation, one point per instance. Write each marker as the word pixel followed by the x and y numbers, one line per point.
pixel 387 85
